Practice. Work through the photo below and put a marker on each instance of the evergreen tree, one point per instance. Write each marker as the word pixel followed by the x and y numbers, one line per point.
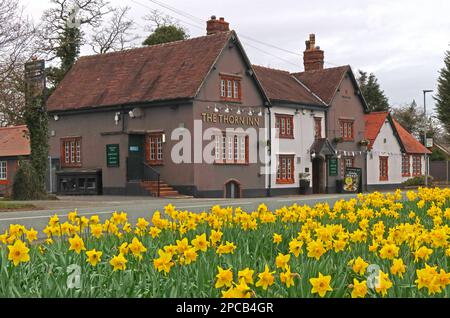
pixel 443 94
pixel 165 34
pixel 373 94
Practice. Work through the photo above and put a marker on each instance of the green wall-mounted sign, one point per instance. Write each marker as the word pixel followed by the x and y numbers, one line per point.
pixel 333 167
pixel 112 156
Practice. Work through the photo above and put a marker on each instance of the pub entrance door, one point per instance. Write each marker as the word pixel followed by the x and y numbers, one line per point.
pixel 136 157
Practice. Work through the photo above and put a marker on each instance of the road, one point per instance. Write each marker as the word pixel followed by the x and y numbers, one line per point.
pixel 145 207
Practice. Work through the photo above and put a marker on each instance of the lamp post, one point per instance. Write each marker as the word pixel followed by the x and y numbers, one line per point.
pixel 425 132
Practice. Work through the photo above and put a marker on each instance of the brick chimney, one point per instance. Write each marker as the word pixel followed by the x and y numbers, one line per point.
pixel 214 26
pixel 313 57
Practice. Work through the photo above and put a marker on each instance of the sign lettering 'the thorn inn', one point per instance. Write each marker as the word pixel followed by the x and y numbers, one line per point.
pixel 231 119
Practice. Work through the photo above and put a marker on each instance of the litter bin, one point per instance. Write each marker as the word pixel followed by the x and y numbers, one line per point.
pixel 339 186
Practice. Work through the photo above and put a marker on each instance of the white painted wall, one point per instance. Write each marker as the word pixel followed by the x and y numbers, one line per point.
pixel 386 143
pixel 299 146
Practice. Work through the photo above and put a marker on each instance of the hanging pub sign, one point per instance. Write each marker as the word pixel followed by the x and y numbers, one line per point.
pixel 352 180
pixel 333 167
pixel 112 156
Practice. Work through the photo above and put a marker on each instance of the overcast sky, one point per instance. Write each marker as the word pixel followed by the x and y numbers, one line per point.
pixel 403 41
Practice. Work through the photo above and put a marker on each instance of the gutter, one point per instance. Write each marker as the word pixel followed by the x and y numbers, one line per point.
pixel 269 188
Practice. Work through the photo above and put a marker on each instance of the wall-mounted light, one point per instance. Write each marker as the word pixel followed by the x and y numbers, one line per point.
pixel 131 114
pixel 227 110
pixel 260 114
pixel 117 118
pixel 56 117
pixel 313 155
pixel 238 111
pixel 216 110
pixel 303 111
pixel 296 112
pixel 163 138
pixel 250 113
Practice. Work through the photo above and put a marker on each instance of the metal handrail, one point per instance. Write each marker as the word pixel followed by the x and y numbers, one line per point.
pixel 150 174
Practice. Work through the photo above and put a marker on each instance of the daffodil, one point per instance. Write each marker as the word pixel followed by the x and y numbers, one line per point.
pixel 359 289
pixel 282 260
pixel 200 243
pixel 287 277
pixel 76 244
pixel 118 263
pixel 266 278
pixel 321 285
pixel 18 253
pixel 94 257
pixel 247 275
pixel 224 277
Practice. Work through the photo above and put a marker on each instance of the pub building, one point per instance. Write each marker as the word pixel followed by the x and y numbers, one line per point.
pixel 113 116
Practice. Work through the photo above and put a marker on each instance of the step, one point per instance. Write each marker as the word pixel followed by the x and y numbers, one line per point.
pixel 168 193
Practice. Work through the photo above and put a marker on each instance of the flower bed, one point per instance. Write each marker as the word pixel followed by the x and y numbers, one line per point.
pixel 374 246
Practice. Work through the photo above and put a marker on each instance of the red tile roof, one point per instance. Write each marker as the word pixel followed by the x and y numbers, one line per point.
pixel 156 73
pixel 324 82
pixel 411 144
pixel 374 122
pixel 14 141
pixel 282 86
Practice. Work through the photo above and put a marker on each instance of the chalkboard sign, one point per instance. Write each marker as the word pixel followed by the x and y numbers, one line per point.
pixel 352 180
pixel 112 156
pixel 333 167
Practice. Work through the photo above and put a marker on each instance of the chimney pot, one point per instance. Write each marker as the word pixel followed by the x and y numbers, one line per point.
pixel 313 57
pixel 214 26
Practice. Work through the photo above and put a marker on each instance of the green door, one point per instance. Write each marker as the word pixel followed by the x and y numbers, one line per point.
pixel 136 157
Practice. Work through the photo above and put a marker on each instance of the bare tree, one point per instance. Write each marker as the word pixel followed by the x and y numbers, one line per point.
pixel 66 15
pixel 12 97
pixel 157 19
pixel 116 34
pixel 16 36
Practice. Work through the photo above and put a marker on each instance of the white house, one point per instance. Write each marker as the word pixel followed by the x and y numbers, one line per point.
pixel 394 155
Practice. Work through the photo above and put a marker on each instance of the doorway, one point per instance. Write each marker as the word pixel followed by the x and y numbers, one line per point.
pixel 136 157
pixel 317 176
pixel 232 189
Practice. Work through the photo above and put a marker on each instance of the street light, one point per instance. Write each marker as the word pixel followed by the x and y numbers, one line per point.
pixel 425 132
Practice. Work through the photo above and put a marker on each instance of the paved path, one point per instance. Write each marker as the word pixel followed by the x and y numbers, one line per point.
pixel 143 207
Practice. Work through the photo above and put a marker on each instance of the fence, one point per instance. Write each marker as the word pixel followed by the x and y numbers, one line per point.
pixel 440 170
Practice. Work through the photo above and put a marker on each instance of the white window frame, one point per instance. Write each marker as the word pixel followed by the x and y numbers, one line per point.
pixel 3 170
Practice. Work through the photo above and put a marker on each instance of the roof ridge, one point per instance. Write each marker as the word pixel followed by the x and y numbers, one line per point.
pixel 148 47
pixel 324 69
pixel 13 127
pixel 271 68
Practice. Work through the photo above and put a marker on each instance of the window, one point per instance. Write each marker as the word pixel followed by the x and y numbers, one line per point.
pixel 346 127
pixel 230 88
pixel 384 168
pixel 154 151
pixel 347 162
pixel 71 152
pixel 3 170
pixel 231 149
pixel 285 126
pixel 317 127
pixel 285 169
pixel 406 164
pixel 417 165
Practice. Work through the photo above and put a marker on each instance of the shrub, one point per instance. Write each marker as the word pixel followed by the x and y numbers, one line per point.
pixel 417 181
pixel 25 184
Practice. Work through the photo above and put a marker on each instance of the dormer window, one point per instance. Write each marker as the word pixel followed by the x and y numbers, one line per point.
pixel 230 88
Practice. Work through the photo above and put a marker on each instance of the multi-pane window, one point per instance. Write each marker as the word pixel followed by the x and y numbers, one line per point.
pixel 384 168
pixel 347 162
pixel 406 164
pixel 285 169
pixel 231 149
pixel 346 128
pixel 317 127
pixel 3 170
pixel 285 126
pixel 417 165
pixel 154 149
pixel 71 152
pixel 230 88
